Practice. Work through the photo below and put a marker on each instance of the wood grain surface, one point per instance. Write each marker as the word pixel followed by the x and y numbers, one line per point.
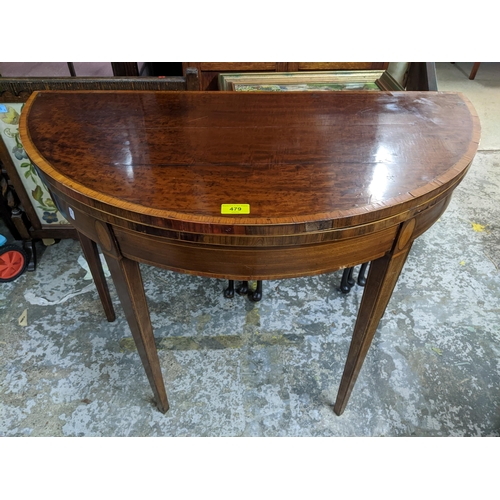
pixel 294 157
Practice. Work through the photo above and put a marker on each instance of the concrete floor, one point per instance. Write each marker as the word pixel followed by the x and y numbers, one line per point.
pixel 234 368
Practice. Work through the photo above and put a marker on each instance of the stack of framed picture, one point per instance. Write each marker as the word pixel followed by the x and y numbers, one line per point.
pixel 370 80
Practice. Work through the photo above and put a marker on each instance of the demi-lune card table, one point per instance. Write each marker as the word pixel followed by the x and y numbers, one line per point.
pixel 249 186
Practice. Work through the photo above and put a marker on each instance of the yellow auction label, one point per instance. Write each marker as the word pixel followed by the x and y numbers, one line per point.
pixel 235 208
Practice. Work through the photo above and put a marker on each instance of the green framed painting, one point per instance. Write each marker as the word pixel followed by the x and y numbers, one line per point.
pixel 41 200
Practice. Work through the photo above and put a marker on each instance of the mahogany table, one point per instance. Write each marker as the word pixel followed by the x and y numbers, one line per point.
pixel 250 186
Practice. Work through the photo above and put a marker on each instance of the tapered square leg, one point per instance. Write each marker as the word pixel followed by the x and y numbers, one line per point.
pixel 129 286
pixel 91 254
pixel 382 278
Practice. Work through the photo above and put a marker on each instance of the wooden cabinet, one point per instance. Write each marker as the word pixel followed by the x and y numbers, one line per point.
pixel 209 71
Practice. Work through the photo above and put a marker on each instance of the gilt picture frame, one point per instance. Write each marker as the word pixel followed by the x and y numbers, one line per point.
pixel 369 80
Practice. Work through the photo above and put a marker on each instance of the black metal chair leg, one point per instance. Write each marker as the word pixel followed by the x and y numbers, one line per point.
pixel 362 274
pixel 30 248
pixel 347 281
pixel 243 288
pixel 229 291
pixel 257 294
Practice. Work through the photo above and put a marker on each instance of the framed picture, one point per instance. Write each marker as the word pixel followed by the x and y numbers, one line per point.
pixel 371 80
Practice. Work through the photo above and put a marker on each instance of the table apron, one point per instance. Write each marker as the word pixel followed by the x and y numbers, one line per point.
pixel 255 261
pixel 259 263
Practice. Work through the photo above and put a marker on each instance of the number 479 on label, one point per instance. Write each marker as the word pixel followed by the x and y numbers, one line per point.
pixel 234 208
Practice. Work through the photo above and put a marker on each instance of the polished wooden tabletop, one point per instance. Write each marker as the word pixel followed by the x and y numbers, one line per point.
pixel 293 157
pixel 329 180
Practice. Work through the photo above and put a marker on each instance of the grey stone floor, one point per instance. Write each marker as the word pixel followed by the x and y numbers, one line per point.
pixel 234 368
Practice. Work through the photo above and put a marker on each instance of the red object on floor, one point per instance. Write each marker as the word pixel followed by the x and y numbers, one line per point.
pixel 12 263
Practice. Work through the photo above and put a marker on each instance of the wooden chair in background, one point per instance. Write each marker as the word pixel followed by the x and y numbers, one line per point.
pixel 474 71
